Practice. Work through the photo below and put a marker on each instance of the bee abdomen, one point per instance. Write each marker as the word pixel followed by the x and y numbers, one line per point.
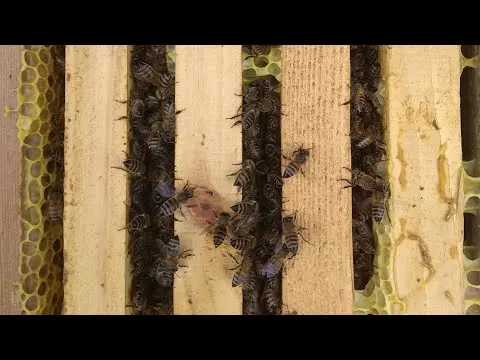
pixel 219 235
pixel 378 211
pixel 168 207
pixel 241 243
pixel 291 169
pixel 243 178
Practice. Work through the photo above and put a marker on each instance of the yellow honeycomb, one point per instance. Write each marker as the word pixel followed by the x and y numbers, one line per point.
pixel 263 65
pixel 40 263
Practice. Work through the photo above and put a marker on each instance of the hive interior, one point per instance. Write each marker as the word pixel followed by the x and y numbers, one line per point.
pixel 39 94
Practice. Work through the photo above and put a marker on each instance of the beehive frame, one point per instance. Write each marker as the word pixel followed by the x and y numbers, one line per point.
pixel 398 64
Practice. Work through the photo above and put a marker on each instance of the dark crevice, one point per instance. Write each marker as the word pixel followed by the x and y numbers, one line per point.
pixel 370 190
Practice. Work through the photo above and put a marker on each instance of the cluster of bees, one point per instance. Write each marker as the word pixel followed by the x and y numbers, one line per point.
pixel 255 226
pixel 154 250
pixel 54 151
pixel 369 190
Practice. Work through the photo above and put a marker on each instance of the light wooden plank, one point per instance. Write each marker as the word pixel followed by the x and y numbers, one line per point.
pixel 95 251
pixel 207 146
pixel 10 162
pixel 422 110
pixel 315 82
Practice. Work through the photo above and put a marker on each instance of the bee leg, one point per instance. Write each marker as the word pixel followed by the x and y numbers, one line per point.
pixel 235 173
pixel 233 117
pixel 236 123
pixel 301 170
pixel 179 111
pixel 122 102
pixel 175 219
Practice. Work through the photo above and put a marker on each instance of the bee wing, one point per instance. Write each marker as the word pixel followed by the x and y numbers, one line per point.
pixel 162 247
pixel 164 190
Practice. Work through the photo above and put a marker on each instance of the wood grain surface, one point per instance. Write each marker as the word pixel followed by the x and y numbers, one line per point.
pixel 206 148
pixel 95 251
pixel 319 280
pixel 10 180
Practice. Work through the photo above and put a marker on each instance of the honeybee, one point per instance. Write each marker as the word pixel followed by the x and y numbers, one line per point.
pixel 248 118
pixel 245 207
pixel 253 149
pixel 359 98
pixel 362 211
pixel 243 243
pixel 274 263
pixel 379 207
pixel 258 50
pixel 133 166
pixel 246 175
pixel 138 223
pixel 166 263
pixel 245 275
pixel 55 204
pixel 271 295
pixel 176 202
pixel 140 292
pixel 291 234
pixel 300 157
pixel 359 178
pixel 220 230
pixel 275 179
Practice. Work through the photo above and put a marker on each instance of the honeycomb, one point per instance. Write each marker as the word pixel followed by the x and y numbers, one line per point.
pixel 379 296
pixel 263 65
pixel 40 263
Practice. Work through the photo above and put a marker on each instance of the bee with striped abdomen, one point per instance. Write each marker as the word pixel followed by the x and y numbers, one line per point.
pixel 55 204
pixel 177 201
pixel 296 164
pixel 243 243
pixel 244 176
pixel 245 275
pixel 133 166
pixel 138 223
pixel 359 178
pixel 220 230
pixel 245 207
pixel 291 234
pixel 274 263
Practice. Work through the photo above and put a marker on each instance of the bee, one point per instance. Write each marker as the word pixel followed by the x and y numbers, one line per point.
pixel 359 98
pixel 258 50
pixel 243 243
pixel 145 73
pixel 138 190
pixel 359 178
pixel 300 157
pixel 140 263
pixel 175 202
pixel 269 191
pixel 261 167
pixel 162 191
pixel 271 295
pixel 55 204
pixel 220 231
pixel 166 263
pixel 250 303
pixel 272 151
pixel 140 294
pixel 362 228
pixel 166 86
pixel 271 235
pixel 136 112
pixel 366 245
pixel 291 234
pixel 138 223
pixel 246 175
pixel 253 149
pixel 138 149
pixel 275 179
pixel 245 275
pixel 270 136
pixel 245 207
pixel 369 165
pixel 362 211
pixel 242 227
pixel 371 54
pixel 55 153
pixel 251 95
pixel 273 122
pixel 274 263
pixel 379 207
pixel 249 118
pixel 133 166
